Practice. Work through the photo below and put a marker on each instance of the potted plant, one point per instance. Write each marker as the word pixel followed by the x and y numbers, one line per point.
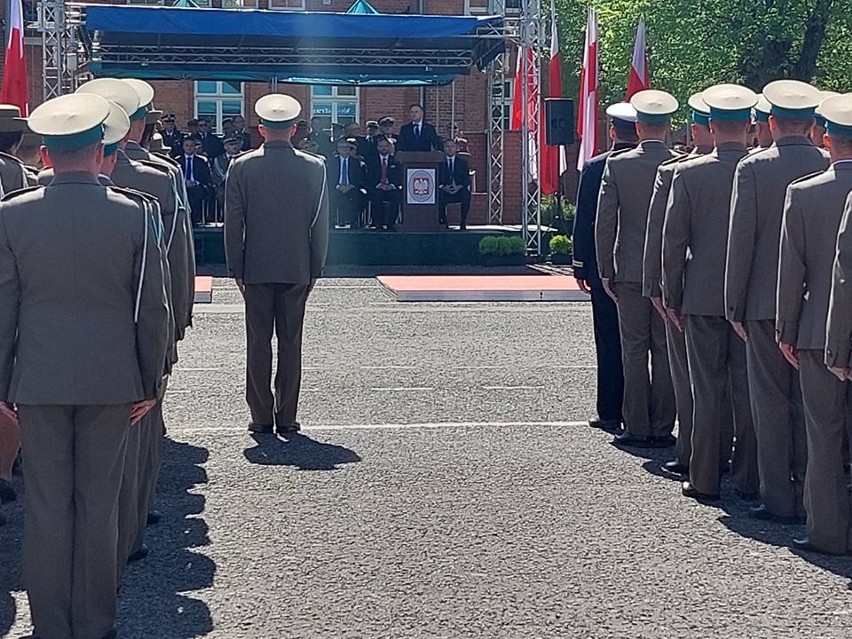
pixel 561 249
pixel 498 250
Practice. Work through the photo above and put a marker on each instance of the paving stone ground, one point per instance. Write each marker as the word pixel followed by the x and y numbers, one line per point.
pixel 444 486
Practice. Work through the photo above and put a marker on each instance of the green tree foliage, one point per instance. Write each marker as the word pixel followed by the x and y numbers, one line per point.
pixel 693 44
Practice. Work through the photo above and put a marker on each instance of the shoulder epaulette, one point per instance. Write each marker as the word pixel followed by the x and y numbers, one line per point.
pixel 16 193
pixel 132 193
pixel 807 177
pixel 7 156
pixel 155 165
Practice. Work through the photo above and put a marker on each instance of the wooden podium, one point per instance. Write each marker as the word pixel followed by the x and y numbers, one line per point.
pixel 420 189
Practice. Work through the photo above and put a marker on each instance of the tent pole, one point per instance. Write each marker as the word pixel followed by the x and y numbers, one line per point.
pixel 453 108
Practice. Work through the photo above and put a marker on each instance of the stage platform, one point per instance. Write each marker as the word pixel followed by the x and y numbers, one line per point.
pixel 371 247
pixel 535 287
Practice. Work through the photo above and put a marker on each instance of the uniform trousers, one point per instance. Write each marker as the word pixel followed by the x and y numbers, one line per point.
pixel 827 402
pixel 279 308
pixel 610 379
pixel 128 497
pixel 717 366
pixel 75 457
pixel 152 430
pixel 649 403
pixel 678 362
pixel 776 404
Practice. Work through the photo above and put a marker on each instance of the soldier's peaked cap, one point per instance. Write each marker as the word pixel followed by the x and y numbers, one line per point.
pixel 114 91
pixel 653 106
pixel 277 111
pixel 71 121
pixel 792 99
pixel 837 111
pixel 731 102
pixel 622 111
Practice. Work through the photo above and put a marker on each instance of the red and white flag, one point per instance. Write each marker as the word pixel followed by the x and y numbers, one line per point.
pixel 587 120
pixel 639 79
pixel 527 73
pixel 15 89
pixel 553 162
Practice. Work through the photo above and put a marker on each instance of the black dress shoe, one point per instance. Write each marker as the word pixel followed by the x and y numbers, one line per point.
pixel 643 441
pixel 688 490
pixel 7 492
pixel 609 425
pixel 139 555
pixel 154 518
pixel 804 544
pixel 674 467
pixel 261 428
pixel 283 429
pixel 762 512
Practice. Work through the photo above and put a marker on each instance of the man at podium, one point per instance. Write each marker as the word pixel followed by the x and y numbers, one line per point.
pixel 418 135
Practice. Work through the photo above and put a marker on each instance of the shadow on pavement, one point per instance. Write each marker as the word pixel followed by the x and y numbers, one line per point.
pixel 154 599
pixel 299 451
pixel 10 558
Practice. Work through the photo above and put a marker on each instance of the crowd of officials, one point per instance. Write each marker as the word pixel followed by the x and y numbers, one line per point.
pixel 366 177
pixel 722 298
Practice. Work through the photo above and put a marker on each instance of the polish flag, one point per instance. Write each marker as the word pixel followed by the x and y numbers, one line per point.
pixel 15 89
pixel 526 72
pixel 639 80
pixel 553 162
pixel 587 120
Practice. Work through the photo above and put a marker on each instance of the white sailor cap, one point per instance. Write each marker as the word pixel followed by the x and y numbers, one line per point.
pixel 699 108
pixel 277 110
pixel 70 121
pixel 731 102
pixel 837 111
pixel 114 91
pixel 653 106
pixel 762 109
pixel 792 99
pixel 820 120
pixel 622 111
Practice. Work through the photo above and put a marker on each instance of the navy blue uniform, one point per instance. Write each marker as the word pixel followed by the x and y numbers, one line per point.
pixel 610 386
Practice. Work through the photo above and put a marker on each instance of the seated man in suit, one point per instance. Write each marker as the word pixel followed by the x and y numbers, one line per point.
pixel 196 173
pixel 347 176
pixel 418 135
pixel 453 184
pixel 384 187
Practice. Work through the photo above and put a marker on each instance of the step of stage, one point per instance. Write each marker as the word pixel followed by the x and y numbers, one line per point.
pixel 203 289
pixel 483 288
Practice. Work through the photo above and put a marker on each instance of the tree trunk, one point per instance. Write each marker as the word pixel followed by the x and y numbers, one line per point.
pixel 805 66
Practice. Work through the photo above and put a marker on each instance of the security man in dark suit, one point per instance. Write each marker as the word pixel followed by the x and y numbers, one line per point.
pixel 77 258
pixel 610 376
pixel 276 241
pixel 453 184
pixel 347 178
pixel 418 135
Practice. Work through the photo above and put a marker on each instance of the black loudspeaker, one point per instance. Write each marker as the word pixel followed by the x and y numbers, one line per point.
pixel 559 114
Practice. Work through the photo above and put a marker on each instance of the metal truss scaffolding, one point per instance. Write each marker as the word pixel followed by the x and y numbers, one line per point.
pixel 59 47
pixel 530 60
pixel 496 122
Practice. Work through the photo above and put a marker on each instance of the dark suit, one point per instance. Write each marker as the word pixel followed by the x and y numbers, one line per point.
pixel 211 144
pixel 385 202
pixel 610 376
pixel 245 136
pixel 198 171
pixel 174 141
pixel 323 141
pixel 460 176
pixel 346 207
pixel 428 140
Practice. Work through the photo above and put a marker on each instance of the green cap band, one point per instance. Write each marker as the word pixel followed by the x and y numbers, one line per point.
pixel 820 121
pixel 139 113
pixel 793 114
pixel 700 118
pixel 838 130
pixel 760 116
pixel 732 115
pixel 269 124
pixel 76 141
pixel 653 118
pixel 110 149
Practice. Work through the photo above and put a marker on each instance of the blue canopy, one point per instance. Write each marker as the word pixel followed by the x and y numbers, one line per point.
pixel 316 48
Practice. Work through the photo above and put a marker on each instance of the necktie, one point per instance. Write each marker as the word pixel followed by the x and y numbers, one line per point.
pixel 189 175
pixel 384 170
pixel 344 172
pixel 417 130
pixel 452 173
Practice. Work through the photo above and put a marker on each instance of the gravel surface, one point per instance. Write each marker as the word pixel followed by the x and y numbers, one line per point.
pixel 444 486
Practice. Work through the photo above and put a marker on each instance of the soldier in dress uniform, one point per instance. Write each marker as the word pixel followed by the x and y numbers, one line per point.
pixel 652 277
pixel 76 258
pixel 610 377
pixel 625 195
pixel 838 338
pixel 761 123
pixel 13 173
pixel 818 132
pixel 694 252
pixel 812 215
pixel 751 278
pixel 276 241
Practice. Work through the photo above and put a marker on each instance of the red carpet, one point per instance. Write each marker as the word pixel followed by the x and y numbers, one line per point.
pixel 483 288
